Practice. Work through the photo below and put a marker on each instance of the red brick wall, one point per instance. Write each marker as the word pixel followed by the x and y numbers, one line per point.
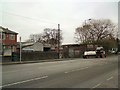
pixel 8 41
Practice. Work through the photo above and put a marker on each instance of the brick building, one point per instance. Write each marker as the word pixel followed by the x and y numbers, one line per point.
pixel 9 41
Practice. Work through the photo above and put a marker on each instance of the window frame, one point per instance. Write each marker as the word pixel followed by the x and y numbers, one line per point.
pixel 3 36
pixel 12 36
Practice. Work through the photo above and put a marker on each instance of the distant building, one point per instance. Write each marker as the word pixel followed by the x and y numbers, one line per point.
pixel 9 41
pixel 76 50
pixel 34 46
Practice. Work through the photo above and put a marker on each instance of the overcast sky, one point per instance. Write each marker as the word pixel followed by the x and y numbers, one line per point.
pixel 32 16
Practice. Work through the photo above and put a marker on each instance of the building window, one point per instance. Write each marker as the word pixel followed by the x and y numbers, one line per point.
pixel 4 47
pixel 12 37
pixel 3 36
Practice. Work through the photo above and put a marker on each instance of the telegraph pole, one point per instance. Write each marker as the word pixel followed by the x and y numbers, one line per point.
pixel 58 41
pixel 1 55
pixel 1 46
pixel 20 49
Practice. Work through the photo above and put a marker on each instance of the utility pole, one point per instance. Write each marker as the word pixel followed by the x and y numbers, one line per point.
pixel 58 41
pixel 20 49
pixel 1 46
pixel 1 55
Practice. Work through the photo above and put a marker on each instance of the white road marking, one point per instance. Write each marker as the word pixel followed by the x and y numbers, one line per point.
pixel 76 70
pixel 96 85
pixel 24 81
pixel 110 78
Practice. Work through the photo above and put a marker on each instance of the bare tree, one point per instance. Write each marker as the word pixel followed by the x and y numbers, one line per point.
pixel 49 36
pixel 95 31
pixel 35 38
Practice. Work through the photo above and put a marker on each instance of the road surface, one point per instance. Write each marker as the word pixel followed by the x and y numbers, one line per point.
pixel 77 73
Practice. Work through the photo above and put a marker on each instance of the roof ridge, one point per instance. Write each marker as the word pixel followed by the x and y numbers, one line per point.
pixel 6 30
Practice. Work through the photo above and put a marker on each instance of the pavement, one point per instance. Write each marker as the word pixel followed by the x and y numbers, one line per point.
pixel 36 61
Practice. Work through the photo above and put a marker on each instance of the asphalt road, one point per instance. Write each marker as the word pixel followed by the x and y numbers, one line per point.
pixel 77 73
